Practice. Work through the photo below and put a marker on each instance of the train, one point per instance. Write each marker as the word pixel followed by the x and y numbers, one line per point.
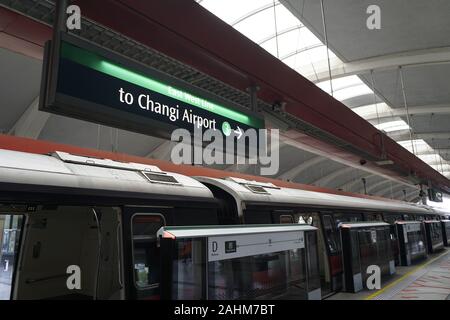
pixel 103 217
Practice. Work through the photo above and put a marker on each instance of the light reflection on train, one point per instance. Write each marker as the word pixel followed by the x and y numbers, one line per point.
pixel 103 215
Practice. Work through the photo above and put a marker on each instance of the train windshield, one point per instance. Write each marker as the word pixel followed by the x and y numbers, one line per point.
pixel 69 252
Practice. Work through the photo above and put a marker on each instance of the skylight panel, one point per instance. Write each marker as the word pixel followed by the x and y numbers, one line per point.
pixel 284 36
pixel 391 126
pixel 346 87
pixel 370 111
pixel 419 145
pixel 232 10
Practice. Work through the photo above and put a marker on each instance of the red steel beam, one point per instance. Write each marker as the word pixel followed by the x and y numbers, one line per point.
pixel 22 34
pixel 191 34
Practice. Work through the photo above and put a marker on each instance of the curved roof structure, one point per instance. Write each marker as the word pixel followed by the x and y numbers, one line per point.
pixel 395 77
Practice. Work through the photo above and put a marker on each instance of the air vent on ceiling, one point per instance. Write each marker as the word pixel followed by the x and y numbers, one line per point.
pixel 160 178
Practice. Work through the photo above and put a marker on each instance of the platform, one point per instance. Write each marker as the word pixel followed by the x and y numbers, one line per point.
pixel 426 280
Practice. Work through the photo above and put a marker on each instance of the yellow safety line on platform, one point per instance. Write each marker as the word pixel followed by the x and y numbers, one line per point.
pixel 373 295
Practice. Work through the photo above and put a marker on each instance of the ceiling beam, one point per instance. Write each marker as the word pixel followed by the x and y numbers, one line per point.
pixel 413 111
pixel 403 135
pixel 239 167
pixel 386 62
pixel 440 151
pixel 414 199
pixel 374 186
pixel 409 191
pixel 348 186
pixel 412 195
pixel 326 180
pixel 31 122
pixel 162 151
pixel 391 191
pixel 294 172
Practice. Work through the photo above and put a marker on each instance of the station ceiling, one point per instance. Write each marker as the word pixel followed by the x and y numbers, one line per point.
pixel 366 65
pixel 291 31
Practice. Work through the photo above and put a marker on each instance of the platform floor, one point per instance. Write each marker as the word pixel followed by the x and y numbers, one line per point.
pixel 426 280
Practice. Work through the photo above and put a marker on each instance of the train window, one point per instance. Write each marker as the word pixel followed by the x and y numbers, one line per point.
pixel 374 217
pixel 146 254
pixel 435 232
pixel 408 217
pixel 347 217
pixel 304 218
pixel 286 218
pixel 391 218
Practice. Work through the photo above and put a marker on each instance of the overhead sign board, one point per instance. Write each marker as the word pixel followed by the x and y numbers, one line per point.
pixel 87 82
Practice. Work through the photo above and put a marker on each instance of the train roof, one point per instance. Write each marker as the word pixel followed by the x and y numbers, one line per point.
pixel 256 192
pixel 441 211
pixel 64 170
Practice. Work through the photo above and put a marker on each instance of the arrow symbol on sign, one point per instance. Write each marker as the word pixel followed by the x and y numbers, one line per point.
pixel 238 132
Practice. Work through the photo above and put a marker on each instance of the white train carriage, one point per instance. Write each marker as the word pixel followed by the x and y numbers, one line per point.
pixel 252 202
pixel 61 211
pixel 98 215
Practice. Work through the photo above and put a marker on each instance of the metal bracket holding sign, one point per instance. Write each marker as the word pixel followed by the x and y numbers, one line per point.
pixel 87 82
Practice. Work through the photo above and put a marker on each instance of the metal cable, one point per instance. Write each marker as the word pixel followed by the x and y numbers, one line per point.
pixel 326 44
pixel 374 96
pixel 407 110
pixel 276 28
pixel 99 235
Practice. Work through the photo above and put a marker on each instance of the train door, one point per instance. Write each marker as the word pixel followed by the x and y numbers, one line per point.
pixel 332 250
pixel 70 252
pixel 325 243
pixel 142 254
pixel 10 234
pixel 391 219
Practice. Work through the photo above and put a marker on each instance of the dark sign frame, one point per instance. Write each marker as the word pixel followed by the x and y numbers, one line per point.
pixel 58 103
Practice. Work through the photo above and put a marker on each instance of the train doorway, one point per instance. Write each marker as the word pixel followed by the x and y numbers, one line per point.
pixel 10 232
pixel 57 239
pixel 324 265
